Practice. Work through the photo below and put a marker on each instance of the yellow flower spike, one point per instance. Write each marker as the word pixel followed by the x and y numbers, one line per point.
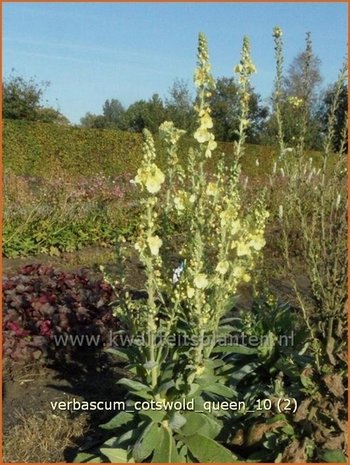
pixel 154 243
pixel 201 281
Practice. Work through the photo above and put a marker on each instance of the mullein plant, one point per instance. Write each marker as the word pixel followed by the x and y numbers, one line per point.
pixel 315 202
pixel 218 249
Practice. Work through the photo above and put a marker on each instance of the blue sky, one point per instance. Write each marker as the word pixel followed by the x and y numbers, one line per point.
pixel 94 51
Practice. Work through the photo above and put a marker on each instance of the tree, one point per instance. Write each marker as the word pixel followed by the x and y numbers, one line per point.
pixel 225 112
pixel 304 77
pixel 340 113
pixel 21 98
pixel 93 121
pixel 142 114
pixel 179 106
pixel 114 114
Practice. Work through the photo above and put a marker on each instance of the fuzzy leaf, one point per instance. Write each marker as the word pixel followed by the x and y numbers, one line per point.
pixel 146 444
pixel 115 455
pixel 120 419
pixel 208 450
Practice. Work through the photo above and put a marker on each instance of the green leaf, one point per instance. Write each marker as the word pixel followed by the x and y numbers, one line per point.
pixel 199 422
pixel 235 349
pixel 177 421
pixel 245 370
pixel 166 451
pixel 120 419
pixel 132 384
pixel 333 456
pixel 118 353
pixel 137 388
pixel 146 444
pixel 155 415
pixel 115 455
pixel 221 390
pixel 85 457
pixel 207 450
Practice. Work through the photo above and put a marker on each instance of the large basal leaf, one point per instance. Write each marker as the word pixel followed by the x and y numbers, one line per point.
pixel 115 455
pixel 166 451
pixel 137 388
pixel 120 419
pixel 221 390
pixel 207 450
pixel 119 353
pixel 155 415
pixel 85 457
pixel 146 444
pixel 235 349
pixel 197 422
pixel 133 385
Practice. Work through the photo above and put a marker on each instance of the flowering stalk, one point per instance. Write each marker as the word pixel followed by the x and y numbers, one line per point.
pixel 244 70
pixel 277 35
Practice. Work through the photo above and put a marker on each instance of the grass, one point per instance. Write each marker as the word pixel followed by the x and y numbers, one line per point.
pixel 41 437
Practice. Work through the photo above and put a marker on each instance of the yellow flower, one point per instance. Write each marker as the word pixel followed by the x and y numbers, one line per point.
pixel 206 121
pixel 222 267
pixel 179 203
pixel 154 180
pixel 212 188
pixel 138 246
pixel 212 144
pixel 151 177
pixel 246 278
pixel 238 272
pixel 257 242
pixel 190 292
pixel 202 135
pixel 242 249
pixel 235 227
pixel 200 281
pixel 154 243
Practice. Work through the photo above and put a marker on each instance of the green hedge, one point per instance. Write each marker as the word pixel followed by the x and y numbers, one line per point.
pixel 42 149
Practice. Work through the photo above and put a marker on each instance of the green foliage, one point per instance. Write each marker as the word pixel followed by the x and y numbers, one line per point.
pixel 22 100
pixel 340 113
pixel 44 149
pixel 224 103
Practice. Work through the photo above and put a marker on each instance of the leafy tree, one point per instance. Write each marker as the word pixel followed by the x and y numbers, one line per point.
pixel 340 113
pixel 21 98
pixel 114 114
pixel 145 114
pixel 179 106
pixel 93 121
pixel 225 112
